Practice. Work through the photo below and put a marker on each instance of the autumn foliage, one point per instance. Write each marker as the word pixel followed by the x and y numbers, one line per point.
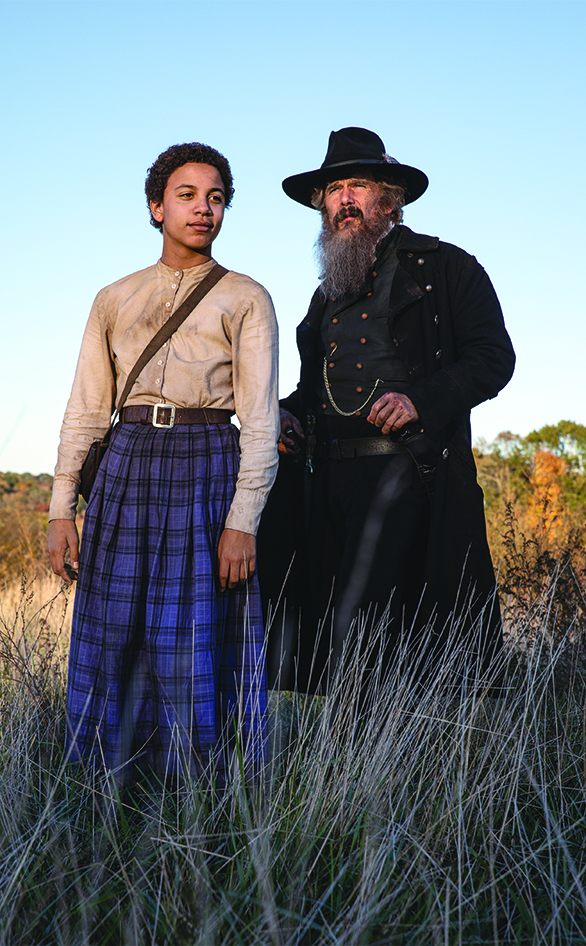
pixel 535 499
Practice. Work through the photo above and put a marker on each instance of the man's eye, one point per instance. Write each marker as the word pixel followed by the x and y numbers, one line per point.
pixel 217 199
pixel 186 194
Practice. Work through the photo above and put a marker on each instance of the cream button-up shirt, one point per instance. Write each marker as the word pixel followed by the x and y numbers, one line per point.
pixel 224 356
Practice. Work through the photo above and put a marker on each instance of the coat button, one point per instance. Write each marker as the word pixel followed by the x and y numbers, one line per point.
pixel 359 365
pixel 332 364
pixel 358 413
pixel 446 454
pixel 428 288
pixel 436 320
pixel 395 342
pixel 374 274
pixel 323 407
pixel 335 321
pixel 363 341
pixel 368 295
pixel 410 255
pixel 365 315
pixel 332 344
pixel 438 354
pixel 421 262
pixel 359 389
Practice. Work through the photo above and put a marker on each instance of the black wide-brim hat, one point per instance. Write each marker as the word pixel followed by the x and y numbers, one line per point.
pixel 349 151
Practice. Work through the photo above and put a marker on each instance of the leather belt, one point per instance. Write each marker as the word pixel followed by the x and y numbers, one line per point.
pixel 167 415
pixel 360 447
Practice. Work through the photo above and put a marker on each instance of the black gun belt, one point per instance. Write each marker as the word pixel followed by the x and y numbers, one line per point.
pixel 360 447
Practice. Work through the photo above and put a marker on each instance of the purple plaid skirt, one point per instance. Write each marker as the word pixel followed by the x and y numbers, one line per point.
pixel 162 664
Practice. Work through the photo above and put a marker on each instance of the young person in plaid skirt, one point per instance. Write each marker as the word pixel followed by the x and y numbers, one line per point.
pixel 166 652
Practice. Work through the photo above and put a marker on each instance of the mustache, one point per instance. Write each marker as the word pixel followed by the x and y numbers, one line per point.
pixel 350 211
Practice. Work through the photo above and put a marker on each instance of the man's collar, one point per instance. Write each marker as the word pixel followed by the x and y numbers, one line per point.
pixel 415 242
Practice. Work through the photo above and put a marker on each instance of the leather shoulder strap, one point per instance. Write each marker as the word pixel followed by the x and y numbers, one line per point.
pixel 171 326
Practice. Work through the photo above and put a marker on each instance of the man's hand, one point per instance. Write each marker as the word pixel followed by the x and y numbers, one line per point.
pixel 62 536
pixel 289 423
pixel 236 557
pixel 391 412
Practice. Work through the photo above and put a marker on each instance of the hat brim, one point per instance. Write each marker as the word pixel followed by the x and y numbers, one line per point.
pixel 300 187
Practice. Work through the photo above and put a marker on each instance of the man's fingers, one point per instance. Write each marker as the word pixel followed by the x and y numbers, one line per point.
pixel 392 411
pixel 289 426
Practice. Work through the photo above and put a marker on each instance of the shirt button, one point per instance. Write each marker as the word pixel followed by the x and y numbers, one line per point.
pixel 159 362
pixel 421 262
pixel 428 288
pixel 363 341
pixel 164 345
pixel 438 354
pixel 365 315
pixel 178 273
pixel 157 380
pixel 173 285
pixel 335 321
pixel 359 390
pixel 167 305
pixel 359 365
pixel 332 364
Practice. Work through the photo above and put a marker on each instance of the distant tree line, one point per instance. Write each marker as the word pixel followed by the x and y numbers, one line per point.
pixel 534 490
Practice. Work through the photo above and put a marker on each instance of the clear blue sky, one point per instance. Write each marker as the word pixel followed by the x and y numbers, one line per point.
pixel 486 97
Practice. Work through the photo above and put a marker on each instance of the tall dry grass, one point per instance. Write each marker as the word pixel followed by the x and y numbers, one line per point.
pixel 414 815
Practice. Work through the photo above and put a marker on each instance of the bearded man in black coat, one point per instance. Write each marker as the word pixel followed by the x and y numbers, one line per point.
pixel 382 515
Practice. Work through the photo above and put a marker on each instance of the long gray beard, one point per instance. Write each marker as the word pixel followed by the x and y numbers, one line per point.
pixel 344 263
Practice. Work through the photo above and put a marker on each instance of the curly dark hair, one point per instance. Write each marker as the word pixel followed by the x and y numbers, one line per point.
pixel 175 157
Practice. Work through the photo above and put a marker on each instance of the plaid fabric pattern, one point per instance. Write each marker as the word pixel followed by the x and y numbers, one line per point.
pixel 161 661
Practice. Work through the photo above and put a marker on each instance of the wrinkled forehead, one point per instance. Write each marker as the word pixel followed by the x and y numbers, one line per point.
pixel 365 177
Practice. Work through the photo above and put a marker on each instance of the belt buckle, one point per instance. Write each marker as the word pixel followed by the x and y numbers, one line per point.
pixel 164 407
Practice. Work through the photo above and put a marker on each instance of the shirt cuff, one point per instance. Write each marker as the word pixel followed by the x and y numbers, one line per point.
pixel 246 510
pixel 64 499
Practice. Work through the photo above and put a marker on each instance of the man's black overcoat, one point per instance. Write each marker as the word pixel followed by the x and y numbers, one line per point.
pixel 447 324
